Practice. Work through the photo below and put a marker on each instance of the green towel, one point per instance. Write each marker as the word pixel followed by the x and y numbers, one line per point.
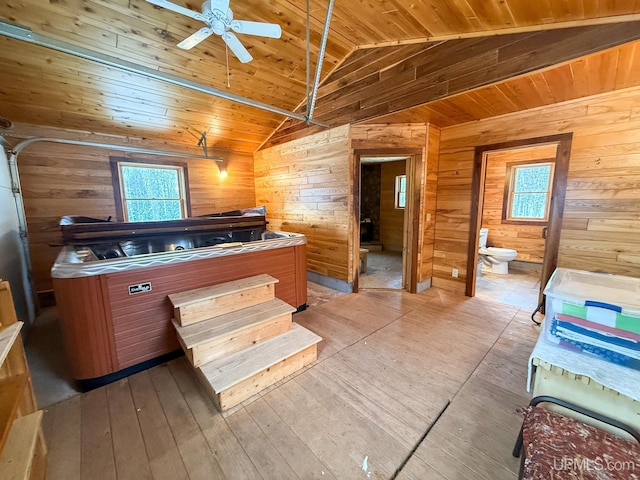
pixel 623 321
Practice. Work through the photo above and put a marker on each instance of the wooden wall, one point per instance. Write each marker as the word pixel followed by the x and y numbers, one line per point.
pixel 396 139
pixel 391 218
pixel 601 224
pixel 307 187
pixel 525 239
pixel 62 180
pixel 428 191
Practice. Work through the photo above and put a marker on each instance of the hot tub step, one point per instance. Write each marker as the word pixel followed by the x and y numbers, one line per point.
pixel 226 334
pixel 234 378
pixel 203 303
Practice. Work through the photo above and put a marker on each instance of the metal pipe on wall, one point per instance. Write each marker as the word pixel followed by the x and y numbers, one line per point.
pixel 323 44
pixel 17 190
pixel 19 32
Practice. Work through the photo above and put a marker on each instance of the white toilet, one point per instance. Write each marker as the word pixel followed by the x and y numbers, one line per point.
pixel 494 260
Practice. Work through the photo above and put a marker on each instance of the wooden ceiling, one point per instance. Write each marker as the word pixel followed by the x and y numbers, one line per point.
pixel 44 87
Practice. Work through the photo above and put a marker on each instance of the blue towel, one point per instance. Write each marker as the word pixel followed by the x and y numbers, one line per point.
pixel 602 336
pixel 614 354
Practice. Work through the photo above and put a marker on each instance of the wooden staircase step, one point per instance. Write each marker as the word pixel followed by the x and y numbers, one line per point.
pixel 234 378
pixel 206 302
pixel 213 338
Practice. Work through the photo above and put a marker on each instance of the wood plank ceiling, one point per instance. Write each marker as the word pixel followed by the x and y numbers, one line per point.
pixel 43 87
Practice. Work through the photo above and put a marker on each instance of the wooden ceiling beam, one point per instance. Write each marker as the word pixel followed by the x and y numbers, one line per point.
pixel 507 31
pixel 461 66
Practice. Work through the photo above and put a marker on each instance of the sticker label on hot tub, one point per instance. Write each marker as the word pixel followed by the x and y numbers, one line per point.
pixel 140 288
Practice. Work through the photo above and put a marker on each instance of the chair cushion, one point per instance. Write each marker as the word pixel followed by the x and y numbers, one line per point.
pixel 560 447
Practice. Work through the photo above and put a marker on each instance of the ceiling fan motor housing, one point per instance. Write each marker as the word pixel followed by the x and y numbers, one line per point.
pixel 218 20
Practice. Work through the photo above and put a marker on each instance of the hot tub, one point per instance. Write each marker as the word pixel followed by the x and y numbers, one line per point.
pixel 112 280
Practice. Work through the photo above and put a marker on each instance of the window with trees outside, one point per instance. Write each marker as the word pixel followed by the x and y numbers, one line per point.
pixel 401 191
pixel 528 192
pixel 148 192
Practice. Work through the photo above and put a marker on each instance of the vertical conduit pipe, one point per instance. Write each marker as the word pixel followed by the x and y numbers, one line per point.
pixel 323 44
pixel 19 203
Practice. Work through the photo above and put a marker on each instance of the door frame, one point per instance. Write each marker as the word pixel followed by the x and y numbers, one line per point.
pixel 556 208
pixel 412 211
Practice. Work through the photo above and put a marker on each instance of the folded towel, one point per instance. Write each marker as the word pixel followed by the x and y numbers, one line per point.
pixel 603 354
pixel 605 337
pixel 579 338
pixel 595 326
pixel 601 316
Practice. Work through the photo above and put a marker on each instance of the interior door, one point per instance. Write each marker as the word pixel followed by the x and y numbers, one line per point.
pixel 556 209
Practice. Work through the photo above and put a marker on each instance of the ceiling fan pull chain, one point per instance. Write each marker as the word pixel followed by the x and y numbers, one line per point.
pixel 226 51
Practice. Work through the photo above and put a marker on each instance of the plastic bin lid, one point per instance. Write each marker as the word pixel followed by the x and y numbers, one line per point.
pixel 579 286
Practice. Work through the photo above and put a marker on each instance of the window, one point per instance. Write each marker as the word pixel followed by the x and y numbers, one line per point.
pixel 148 192
pixel 401 191
pixel 528 192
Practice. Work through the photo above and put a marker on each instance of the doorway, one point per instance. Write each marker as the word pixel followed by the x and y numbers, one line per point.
pixel 383 219
pixel 538 239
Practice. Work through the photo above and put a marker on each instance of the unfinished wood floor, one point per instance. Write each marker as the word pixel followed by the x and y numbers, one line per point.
pixel 390 362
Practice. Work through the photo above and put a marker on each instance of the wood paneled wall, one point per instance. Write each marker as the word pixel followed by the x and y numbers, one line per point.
pixel 601 222
pixel 387 138
pixel 307 186
pixel 525 239
pixel 391 218
pixel 60 179
pixel 428 191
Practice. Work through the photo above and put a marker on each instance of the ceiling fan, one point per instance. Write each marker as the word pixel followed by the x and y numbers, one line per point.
pixel 219 19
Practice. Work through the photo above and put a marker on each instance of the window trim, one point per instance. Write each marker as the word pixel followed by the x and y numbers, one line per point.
pixel 397 192
pixel 511 169
pixel 117 182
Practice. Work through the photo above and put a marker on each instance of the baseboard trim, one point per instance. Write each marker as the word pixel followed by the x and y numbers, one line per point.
pixel 423 285
pixel 330 282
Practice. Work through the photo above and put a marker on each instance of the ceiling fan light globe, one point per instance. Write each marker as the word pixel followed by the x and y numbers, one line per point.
pixel 218 27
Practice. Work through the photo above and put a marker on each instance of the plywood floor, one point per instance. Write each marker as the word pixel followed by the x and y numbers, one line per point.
pixel 389 364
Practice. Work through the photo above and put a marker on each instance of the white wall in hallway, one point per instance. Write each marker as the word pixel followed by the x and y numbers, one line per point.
pixel 13 266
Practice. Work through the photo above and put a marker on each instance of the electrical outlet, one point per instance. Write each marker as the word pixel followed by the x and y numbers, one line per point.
pixel 428 217
pixel 454 273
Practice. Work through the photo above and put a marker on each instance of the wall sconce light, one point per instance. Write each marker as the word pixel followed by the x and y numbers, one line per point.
pixel 202 142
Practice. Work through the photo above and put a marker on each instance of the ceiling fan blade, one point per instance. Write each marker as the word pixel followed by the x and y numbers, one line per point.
pixel 192 40
pixel 261 29
pixel 222 5
pixel 236 47
pixel 177 8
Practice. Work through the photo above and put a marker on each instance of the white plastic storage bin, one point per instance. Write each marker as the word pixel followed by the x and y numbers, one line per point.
pixel 595 313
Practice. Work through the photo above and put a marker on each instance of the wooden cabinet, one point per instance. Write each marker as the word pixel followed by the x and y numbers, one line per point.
pixel 22 448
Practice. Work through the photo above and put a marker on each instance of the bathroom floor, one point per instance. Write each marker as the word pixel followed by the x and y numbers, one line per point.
pixel 519 288
pixel 384 270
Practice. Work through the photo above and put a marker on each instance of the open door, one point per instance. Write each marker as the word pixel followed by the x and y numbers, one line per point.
pixel 399 205
pixel 556 208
